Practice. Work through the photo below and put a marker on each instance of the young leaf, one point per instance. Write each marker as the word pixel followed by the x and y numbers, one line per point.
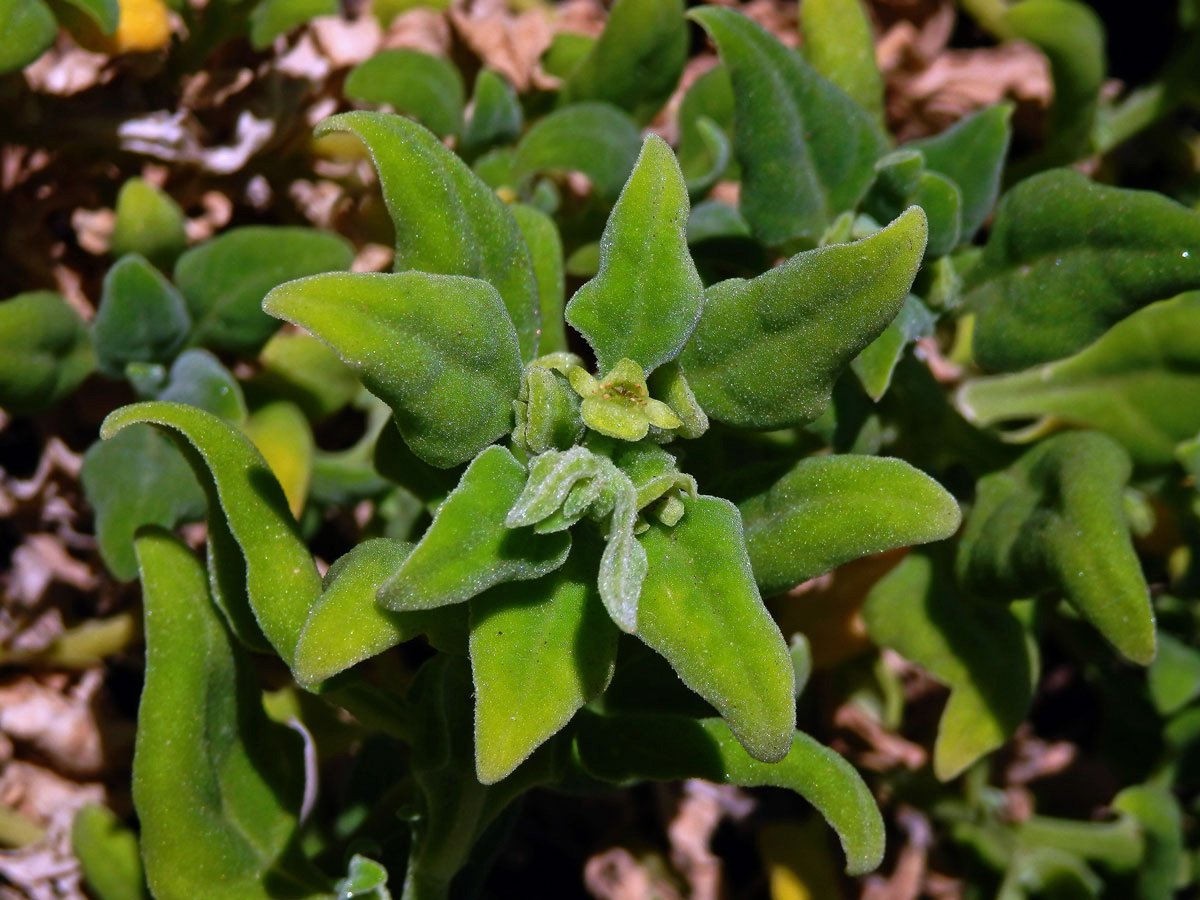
pixel 272 18
pixel 108 855
pixel 137 478
pixel 1173 679
pixel 545 247
pixel 767 351
pixel 645 300
pixel 275 572
pixel 497 117
pixel 141 318
pixel 224 280
pixel 701 611
pixel 878 360
pixel 1055 520
pixel 667 748
pixel 829 510
pixel 45 351
pixel 981 652
pixel 440 350
pixel 1138 383
pixel 27 29
pixel 839 44
pixel 347 626
pixel 208 763
pixel 637 61
pixel 539 651
pixel 807 151
pixel 709 99
pixel 469 548
pixel 596 139
pixel 365 880
pixel 447 221
pixel 971 154
pixel 547 411
pixel 426 87
pixel 1067 258
pixel 148 222
pixel 718 152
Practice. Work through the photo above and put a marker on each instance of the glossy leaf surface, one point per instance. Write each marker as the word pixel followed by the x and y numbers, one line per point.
pixel 1138 383
pixel 596 139
pixel 224 280
pixel 1055 521
pixel 426 87
pixel 469 548
pixel 767 351
pixel 701 611
pixel 45 351
pixel 829 510
pixel 806 150
pixel 447 221
pixel 439 350
pixel 663 747
pixel 980 651
pixel 1067 258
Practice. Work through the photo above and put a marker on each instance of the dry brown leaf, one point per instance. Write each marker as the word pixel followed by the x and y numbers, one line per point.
pixel 421 29
pixel 702 808
pixel 58 720
pixel 908 877
pixel 512 45
pixel 886 751
pixel 616 875
pixel 347 42
pixel 66 69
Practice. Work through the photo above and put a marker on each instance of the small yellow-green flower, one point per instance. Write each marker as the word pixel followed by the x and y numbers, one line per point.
pixel 619 404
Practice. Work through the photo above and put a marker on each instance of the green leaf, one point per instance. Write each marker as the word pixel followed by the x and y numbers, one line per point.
pixel 701 611
pixel 365 880
pixel 637 62
pixel 596 139
pixel 1055 521
pixel 224 280
pixel 198 378
pixel 903 182
pixel 1071 35
pixel 767 351
pixel 497 117
pixel 1138 383
pixel 646 298
pixel 829 510
pixel 469 548
pixel 141 318
pixel 981 652
pixel 878 360
pixel 539 651
pixel 839 44
pixel 447 221
pixel 148 222
pixel 45 351
pixel 806 150
pixel 440 350
pixel 300 368
pixel 566 51
pixel 108 855
pixel 667 748
pixel 137 478
pixel 1067 258
pixel 547 412
pixel 105 13
pixel 27 29
pixel 425 87
pixel 1161 819
pixel 710 97
pixel 668 383
pixel 1173 679
pixel 280 432
pixel 347 626
pixel 248 518
pixel 971 153
pixel 545 247
pixel 718 151
pixel 272 18
pixel 208 763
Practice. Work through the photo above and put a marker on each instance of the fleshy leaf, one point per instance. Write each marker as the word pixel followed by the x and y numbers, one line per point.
pixel 668 383
pixel 767 351
pixel 496 117
pixel 545 247
pixel 596 139
pixel 637 61
pixel 547 412
pixel 839 44
pixel 224 280
pixel 878 360
pixel 1055 521
pixel 45 351
pixel 806 150
pixel 426 87
pixel 248 518
pixel 645 300
pixel 198 379
pixel 142 318
pixel 272 18
pixel 829 510
pixel 27 28
pixel 624 748
pixel 208 763
pixel 1138 383
pixel 701 611
pixel 539 651
pixel 447 221
pixel 708 100
pixel 469 548
pixel 281 434
pixel 365 880
pixel 300 368
pixel 980 651
pixel 149 223
pixel 1173 679
pixel 440 350
pixel 1068 258
pixel 108 854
